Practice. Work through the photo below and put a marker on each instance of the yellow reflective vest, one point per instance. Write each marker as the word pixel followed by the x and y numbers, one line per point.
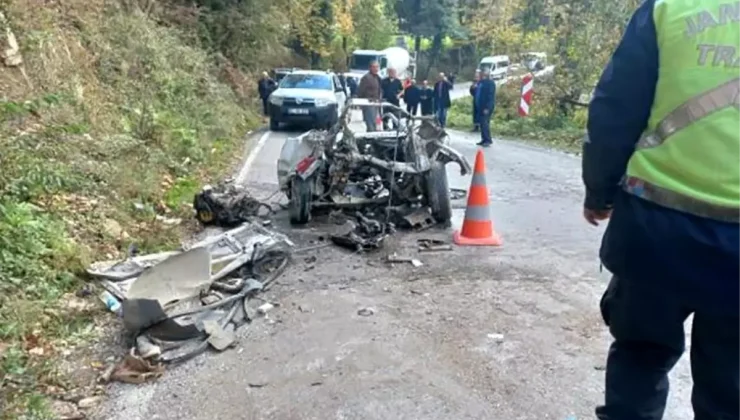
pixel 688 159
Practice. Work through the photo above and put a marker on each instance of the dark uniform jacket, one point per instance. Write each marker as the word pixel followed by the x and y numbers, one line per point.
pixel 391 88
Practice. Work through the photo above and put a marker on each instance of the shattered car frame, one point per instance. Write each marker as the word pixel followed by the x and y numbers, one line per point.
pixel 344 168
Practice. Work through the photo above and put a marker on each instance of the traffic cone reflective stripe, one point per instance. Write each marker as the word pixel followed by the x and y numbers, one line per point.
pixel 478 227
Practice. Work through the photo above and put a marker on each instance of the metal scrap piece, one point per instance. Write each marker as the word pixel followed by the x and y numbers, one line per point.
pixel 396 259
pixel 219 338
pixel 419 219
pixel 431 245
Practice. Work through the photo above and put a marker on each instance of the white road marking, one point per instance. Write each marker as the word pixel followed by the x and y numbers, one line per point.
pixel 252 156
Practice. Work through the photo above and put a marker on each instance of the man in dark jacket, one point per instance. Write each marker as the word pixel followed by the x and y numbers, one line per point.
pixel 369 89
pixel 342 81
pixel 660 163
pixel 412 97
pixel 352 85
pixel 426 99
pixel 442 101
pixel 473 90
pixel 265 86
pixel 485 100
pixel 392 90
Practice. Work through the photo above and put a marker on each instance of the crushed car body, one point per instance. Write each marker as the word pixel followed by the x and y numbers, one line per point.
pixel 401 170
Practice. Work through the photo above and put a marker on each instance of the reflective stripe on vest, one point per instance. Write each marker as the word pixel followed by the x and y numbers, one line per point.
pixel 696 108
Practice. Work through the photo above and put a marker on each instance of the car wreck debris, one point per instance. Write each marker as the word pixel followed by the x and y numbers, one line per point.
pixel 366 234
pixel 397 259
pixel 400 171
pixel 178 303
pixel 432 245
pixel 228 205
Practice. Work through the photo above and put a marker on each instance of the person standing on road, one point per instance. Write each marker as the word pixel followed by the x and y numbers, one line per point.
pixel 442 101
pixel 342 81
pixel 265 86
pixel 369 89
pixel 392 91
pixel 352 85
pixel 412 97
pixel 485 102
pixel 473 90
pixel 407 82
pixel 666 174
pixel 426 99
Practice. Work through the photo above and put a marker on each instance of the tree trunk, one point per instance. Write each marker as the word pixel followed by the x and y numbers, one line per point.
pixel 434 53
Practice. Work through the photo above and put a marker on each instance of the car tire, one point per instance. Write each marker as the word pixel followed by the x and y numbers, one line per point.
pixel 438 193
pixel 301 195
pixel 274 124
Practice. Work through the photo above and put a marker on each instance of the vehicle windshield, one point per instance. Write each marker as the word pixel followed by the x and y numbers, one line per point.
pixel 487 67
pixel 306 81
pixel 362 61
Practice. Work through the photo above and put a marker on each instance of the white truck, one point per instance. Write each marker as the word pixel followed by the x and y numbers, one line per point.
pixel 394 57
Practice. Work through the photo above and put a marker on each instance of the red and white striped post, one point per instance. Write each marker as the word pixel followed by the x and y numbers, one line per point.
pixel 526 100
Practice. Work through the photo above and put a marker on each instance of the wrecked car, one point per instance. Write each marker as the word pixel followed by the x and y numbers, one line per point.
pixel 347 168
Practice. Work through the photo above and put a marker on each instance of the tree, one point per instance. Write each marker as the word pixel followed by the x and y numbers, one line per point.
pixel 241 30
pixel 428 19
pixel 344 19
pixel 495 27
pixel 313 27
pixel 372 25
pixel 586 34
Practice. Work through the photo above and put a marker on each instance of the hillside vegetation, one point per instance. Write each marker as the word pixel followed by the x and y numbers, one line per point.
pixel 110 120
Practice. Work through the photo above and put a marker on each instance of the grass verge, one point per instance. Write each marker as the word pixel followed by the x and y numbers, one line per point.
pixel 111 121
pixel 544 126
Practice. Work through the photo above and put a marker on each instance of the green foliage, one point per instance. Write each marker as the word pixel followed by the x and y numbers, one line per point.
pixel 132 116
pixel 427 19
pixel 372 25
pixel 33 251
pixel 182 192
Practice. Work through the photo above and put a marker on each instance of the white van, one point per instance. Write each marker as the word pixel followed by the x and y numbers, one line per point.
pixel 497 66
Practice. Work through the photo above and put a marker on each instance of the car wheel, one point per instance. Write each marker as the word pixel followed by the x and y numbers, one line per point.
pixel 438 193
pixel 203 211
pixel 274 124
pixel 301 195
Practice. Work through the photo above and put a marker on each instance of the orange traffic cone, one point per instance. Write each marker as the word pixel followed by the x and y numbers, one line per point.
pixel 477 227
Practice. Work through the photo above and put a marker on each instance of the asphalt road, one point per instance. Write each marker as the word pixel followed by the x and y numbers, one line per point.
pixel 477 333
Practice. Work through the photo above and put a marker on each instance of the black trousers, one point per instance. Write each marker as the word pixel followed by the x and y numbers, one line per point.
pixel 648 329
pixel 265 103
pixel 412 109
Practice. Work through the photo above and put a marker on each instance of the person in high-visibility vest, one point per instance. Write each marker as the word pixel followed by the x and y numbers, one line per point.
pixel 661 162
